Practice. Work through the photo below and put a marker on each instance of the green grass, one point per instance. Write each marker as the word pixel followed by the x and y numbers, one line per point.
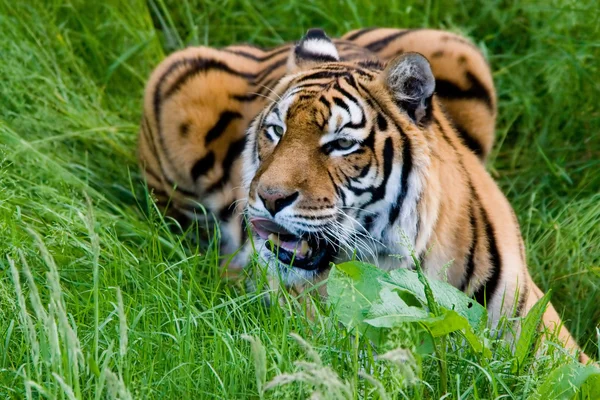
pixel 128 309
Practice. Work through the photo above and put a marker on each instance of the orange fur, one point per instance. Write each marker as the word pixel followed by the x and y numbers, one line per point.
pixel 200 101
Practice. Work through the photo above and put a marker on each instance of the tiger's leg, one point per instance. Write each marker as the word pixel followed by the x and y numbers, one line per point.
pixel 552 321
pixel 464 81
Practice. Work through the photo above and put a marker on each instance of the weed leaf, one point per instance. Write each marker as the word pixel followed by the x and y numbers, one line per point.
pixel 568 380
pixel 529 331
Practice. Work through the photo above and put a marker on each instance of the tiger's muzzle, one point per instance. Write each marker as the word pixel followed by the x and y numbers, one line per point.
pixel 307 251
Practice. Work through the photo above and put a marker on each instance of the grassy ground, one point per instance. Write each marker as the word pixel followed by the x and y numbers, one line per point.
pixel 126 309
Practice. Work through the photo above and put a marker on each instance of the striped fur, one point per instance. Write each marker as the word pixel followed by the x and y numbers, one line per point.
pixel 367 160
pixel 199 101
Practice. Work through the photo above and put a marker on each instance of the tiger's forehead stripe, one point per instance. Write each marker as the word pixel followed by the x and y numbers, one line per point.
pixel 328 91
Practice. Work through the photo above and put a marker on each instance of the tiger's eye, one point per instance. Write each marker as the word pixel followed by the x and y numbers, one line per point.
pixel 278 130
pixel 344 144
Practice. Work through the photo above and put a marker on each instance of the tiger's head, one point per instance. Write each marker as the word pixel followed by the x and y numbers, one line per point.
pixel 330 164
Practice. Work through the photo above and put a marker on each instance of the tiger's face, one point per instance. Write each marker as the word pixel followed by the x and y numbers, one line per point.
pixel 325 163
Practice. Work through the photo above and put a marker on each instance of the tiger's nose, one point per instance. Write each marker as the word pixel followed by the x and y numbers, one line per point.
pixel 276 200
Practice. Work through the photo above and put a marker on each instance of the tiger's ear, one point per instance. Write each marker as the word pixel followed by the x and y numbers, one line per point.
pixel 313 49
pixel 409 79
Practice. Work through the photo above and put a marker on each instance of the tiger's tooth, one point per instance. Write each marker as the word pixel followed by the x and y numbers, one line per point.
pixel 275 239
pixel 304 248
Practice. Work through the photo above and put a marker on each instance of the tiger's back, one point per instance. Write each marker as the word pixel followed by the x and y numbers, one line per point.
pixel 199 101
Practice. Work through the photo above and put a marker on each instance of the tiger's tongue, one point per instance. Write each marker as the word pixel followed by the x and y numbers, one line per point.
pixel 269 230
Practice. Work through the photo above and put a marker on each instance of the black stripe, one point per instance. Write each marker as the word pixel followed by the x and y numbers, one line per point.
pixel 371 64
pixel 323 100
pixel 312 87
pixel 449 90
pixel 323 74
pixel 162 197
pixel 447 140
pixel 341 103
pixel 473 144
pixel 225 119
pixel 329 73
pixel 368 222
pixel 232 153
pixel 338 190
pixel 352 98
pixel 351 81
pixel 359 125
pixel 407 164
pixel 268 70
pixel 486 290
pixel 388 158
pixel 358 34
pixel 406 159
pixel 196 66
pixel 152 174
pixel 243 97
pixel 226 212
pixel 181 190
pixel 251 96
pixel 381 43
pixel 363 172
pixel 154 151
pixel 146 132
pixel 472 248
pixel 459 39
pixel 265 87
pixel 203 165
pixel 306 96
pixel 343 91
pixel 271 54
pixel 381 122
pixel 244 230
pixel 523 293
pixel 366 73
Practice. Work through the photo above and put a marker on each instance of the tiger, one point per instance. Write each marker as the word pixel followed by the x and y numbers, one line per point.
pixel 199 101
pixel 371 146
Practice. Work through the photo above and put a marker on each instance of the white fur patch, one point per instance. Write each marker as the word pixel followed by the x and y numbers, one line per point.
pixel 320 47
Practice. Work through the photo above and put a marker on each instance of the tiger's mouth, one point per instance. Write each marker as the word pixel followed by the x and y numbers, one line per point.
pixel 308 252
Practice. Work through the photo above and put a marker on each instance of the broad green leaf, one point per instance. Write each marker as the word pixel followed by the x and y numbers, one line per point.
pixel 446 295
pixel 391 310
pixel 450 322
pixel 364 296
pixel 529 331
pixel 568 380
pixel 352 288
